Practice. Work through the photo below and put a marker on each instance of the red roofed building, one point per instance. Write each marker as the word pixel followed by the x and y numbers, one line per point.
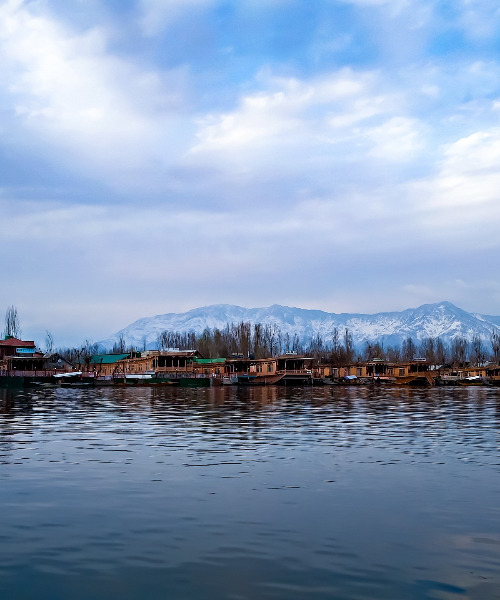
pixel 11 346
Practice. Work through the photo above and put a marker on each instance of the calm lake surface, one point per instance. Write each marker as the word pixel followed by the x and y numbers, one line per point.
pixel 236 493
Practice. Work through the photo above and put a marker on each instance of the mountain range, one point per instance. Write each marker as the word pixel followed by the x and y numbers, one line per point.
pixel 443 320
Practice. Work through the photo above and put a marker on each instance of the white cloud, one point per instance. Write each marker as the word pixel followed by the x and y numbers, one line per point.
pixel 398 139
pixel 465 188
pixel 72 94
pixel 477 154
pixel 338 114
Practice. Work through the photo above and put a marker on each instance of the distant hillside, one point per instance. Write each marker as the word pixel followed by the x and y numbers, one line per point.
pixel 443 320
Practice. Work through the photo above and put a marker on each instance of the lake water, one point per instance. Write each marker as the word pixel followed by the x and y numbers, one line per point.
pixel 241 493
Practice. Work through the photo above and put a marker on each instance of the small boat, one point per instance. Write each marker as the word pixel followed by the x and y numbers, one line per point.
pixel 73 379
pixel 69 376
pixel 260 379
pixel 472 380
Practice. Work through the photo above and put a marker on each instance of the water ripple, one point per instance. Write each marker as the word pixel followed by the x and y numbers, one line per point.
pixel 250 493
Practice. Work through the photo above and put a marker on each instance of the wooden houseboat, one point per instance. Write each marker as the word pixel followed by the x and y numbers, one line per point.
pixel 295 369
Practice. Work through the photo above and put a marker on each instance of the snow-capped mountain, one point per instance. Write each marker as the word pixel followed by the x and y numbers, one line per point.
pixel 443 320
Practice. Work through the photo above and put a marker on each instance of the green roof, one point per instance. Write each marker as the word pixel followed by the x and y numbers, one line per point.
pixel 107 359
pixel 209 361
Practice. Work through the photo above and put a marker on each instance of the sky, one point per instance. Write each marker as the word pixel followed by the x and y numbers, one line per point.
pixel 161 155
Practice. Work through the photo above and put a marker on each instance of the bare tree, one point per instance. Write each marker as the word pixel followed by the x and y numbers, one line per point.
pixel 205 343
pixel 191 340
pixel 394 354
pixel 373 350
pixel 12 328
pixel 271 337
pixel 368 351
pixel 428 349
pixel 408 349
pixel 296 345
pixel 88 350
pixel 335 339
pixel 459 350
pixel 478 350
pixel 495 345
pixel 244 332
pixel 258 342
pixel 337 352
pixel 316 347
pixel 162 341
pixel 49 342
pixel 440 351
pixel 119 347
pixel 348 345
pixel 378 350
pixel 91 348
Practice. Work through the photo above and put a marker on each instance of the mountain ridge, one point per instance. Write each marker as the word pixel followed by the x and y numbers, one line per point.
pixel 441 319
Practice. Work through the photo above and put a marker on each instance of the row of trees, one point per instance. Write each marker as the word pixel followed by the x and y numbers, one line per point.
pixel 238 338
pixel 261 341
pixel 268 340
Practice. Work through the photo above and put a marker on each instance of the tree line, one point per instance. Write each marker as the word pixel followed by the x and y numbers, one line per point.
pixel 264 340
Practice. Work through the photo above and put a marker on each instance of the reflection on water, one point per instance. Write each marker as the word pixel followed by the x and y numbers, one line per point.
pixel 244 493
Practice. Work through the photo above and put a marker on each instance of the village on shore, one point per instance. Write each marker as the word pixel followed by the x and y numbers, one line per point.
pixel 21 363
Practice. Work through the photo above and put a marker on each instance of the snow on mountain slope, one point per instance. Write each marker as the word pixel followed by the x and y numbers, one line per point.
pixel 442 319
pixel 488 319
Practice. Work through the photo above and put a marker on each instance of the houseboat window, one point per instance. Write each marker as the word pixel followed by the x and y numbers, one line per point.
pixel 401 372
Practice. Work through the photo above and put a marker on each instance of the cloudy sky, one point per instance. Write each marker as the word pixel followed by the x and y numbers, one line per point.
pixel 159 155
